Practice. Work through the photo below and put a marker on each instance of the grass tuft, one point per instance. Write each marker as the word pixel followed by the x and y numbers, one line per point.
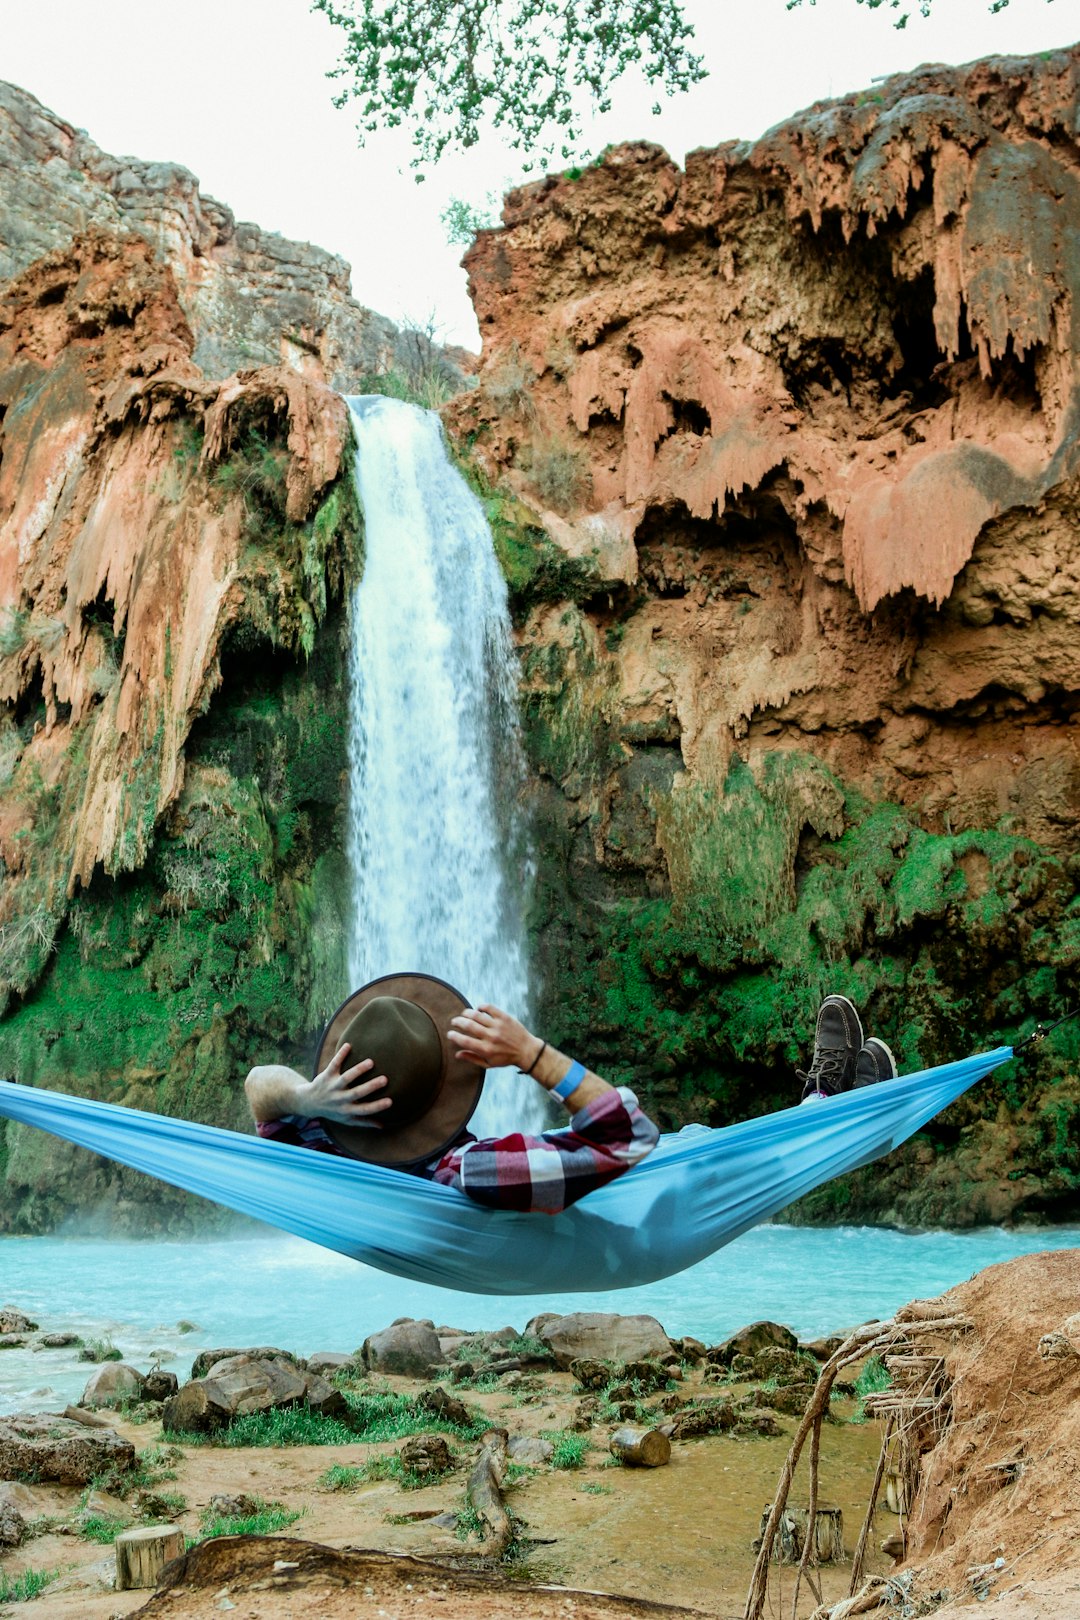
pixel 569 1449
pixel 267 1520
pixel 30 1584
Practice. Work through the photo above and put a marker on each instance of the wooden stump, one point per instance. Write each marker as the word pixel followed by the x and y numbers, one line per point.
pixel 791 1535
pixel 896 1495
pixel 640 1448
pixel 142 1554
pixel 483 1492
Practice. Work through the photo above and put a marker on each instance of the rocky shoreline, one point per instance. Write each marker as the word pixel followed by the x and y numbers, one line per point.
pixel 518 1455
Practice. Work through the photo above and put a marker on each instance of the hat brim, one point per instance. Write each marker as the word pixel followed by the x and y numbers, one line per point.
pixel 460 1083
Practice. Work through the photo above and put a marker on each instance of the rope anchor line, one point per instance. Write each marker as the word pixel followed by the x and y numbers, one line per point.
pixel 1041 1031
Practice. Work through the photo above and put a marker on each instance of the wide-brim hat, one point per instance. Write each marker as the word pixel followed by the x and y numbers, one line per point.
pixel 451 1086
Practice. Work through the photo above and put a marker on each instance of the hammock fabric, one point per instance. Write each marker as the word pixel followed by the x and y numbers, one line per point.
pixel 696 1191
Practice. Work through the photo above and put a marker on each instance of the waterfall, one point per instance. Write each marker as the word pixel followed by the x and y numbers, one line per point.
pixel 440 867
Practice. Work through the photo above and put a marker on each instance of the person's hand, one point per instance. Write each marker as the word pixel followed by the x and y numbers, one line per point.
pixel 491 1038
pixel 336 1094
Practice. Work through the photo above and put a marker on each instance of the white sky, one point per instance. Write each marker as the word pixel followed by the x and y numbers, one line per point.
pixel 236 91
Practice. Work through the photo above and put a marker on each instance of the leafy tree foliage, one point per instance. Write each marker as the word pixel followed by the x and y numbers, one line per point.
pixel 531 67
pixel 445 66
pixel 924 7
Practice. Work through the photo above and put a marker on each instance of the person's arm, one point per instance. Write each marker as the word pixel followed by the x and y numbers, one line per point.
pixel 489 1036
pixel 274 1091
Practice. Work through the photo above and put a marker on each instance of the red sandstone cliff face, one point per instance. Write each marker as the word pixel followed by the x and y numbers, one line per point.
pixel 811 413
pixel 124 557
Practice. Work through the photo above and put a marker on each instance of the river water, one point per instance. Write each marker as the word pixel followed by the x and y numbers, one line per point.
pixel 270 1290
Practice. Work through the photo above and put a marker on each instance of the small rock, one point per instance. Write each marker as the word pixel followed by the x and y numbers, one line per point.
pixel 705 1417
pixel 56 1341
pixel 159 1385
pixel 328 1362
pixel 324 1398
pixel 462 1372
pixel 13 1341
pixel 591 1374
pixel 15 1321
pixel 56 1450
pixel 529 1450
pixel 791 1399
pixel 186 1327
pixel 233 1507
pixel 442 1405
pixel 426 1454
pixel 407 1349
pixel 821 1349
pixel 112 1383
pixel 753 1420
pixel 585 1414
pixel 649 1375
pixel 690 1349
pixel 199 1407
pixel 752 1340
pixel 100 1505
pixel 12 1526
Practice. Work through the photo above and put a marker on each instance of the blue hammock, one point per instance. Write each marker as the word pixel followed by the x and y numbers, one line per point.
pixel 698 1190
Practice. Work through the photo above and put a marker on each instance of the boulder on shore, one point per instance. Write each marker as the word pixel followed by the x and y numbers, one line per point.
pixel 752 1340
pixel 241 1384
pixel 59 1451
pixel 602 1336
pixel 112 1383
pixel 407 1349
pixel 207 1358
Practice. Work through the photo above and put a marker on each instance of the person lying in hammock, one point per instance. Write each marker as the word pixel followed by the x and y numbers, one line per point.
pixel 421 1053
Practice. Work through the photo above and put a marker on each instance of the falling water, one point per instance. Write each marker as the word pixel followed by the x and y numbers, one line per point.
pixel 439 863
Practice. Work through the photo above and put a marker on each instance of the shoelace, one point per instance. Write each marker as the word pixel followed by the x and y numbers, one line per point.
pixel 826 1072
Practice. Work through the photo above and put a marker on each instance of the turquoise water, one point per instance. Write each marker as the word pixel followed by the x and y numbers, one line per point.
pixel 273 1290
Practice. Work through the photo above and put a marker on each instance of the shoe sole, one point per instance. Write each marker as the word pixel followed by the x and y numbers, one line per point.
pixel 852 1018
pixel 874 1042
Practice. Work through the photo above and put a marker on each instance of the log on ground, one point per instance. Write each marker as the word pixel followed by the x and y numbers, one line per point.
pixel 640 1448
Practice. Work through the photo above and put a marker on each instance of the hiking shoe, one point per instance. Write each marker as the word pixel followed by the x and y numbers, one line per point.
pixel 837 1039
pixel 875 1062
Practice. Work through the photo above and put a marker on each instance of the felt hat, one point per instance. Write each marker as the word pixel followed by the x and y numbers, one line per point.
pixel 401 1021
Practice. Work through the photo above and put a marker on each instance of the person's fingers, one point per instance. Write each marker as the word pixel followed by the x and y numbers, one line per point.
pixel 357 1070
pixel 334 1066
pixel 366 1087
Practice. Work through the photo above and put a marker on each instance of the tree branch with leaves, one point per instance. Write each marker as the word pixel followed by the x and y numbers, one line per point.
pixel 530 67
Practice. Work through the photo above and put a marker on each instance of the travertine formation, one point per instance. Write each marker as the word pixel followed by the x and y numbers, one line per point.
pixel 800 649
pixel 822 396
pixel 251 298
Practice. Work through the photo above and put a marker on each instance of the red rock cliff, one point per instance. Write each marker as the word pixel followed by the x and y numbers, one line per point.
pixel 800 425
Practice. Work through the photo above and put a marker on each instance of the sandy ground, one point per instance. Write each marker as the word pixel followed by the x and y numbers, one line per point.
pixel 676 1535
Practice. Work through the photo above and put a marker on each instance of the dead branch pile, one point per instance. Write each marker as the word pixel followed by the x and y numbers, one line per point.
pixel 916 1410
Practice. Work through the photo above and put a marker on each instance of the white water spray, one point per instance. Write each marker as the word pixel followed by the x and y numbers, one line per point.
pixel 440 869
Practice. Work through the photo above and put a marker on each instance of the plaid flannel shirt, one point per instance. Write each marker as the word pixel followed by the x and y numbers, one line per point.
pixel 543 1173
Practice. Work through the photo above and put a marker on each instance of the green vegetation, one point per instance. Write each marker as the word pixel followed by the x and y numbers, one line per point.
pixel 873 1378
pixel 156 988
pixel 569 1448
pixel 559 473
pixel 373 1416
pixel 342 1477
pixel 100 1350
pixel 535 569
pixel 101 1527
pixel 786 885
pixel 463 220
pixel 267 1519
pixel 30 1584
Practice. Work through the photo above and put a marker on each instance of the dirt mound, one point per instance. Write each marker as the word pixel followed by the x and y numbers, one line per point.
pixel 998 1504
pixel 270 1576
